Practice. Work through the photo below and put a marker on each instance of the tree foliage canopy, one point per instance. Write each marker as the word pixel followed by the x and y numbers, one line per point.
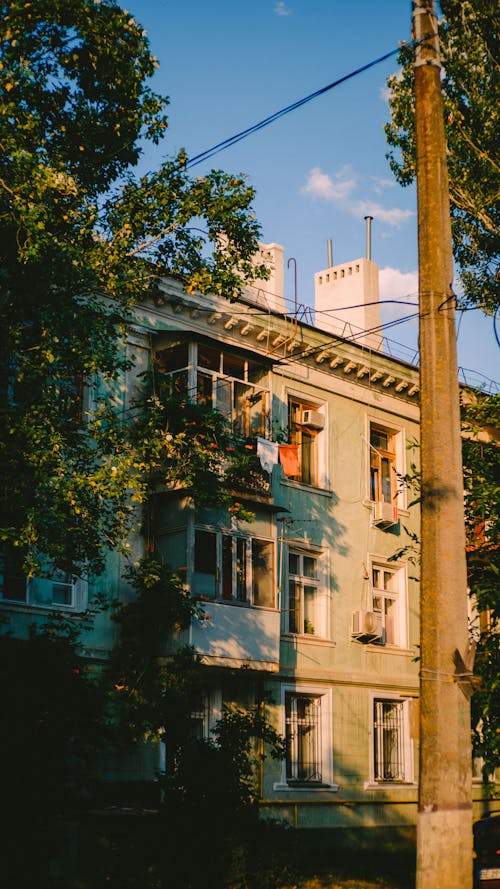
pixel 469 34
pixel 76 223
pixel 481 457
pixel 481 467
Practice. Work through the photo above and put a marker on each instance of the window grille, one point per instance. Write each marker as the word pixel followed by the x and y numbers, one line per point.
pixel 303 738
pixel 200 730
pixel 389 740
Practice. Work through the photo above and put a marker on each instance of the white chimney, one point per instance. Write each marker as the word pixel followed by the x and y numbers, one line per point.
pixel 270 293
pixel 347 299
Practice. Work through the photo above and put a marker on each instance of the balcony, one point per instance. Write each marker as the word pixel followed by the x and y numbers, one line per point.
pixel 238 636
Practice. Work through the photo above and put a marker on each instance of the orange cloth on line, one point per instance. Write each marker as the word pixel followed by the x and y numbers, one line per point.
pixel 289 458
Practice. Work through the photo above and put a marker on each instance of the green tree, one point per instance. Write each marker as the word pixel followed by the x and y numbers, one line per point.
pixel 469 34
pixel 211 785
pixel 481 457
pixel 481 466
pixel 55 723
pixel 81 240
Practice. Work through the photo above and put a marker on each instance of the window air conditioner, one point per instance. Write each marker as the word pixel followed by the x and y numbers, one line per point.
pixel 385 514
pixel 313 419
pixel 366 626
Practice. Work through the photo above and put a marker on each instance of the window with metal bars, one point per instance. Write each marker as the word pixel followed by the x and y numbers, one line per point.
pixel 389 740
pixel 200 719
pixel 303 738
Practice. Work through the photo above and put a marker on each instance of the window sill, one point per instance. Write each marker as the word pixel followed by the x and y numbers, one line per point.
pixel 301 486
pixel 391 649
pixel 37 607
pixel 306 637
pixel 233 603
pixel 402 511
pixel 307 788
pixel 390 785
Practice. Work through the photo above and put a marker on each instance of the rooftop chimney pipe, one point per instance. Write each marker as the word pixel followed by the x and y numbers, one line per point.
pixel 329 255
pixel 368 220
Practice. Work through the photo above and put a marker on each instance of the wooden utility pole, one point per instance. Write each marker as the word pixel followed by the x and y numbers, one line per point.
pixel 444 823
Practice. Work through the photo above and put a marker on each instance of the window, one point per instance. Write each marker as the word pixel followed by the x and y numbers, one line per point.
pixel 206 712
pixel 306 436
pixel 391 742
pixel 389 600
pixel 230 383
pixel 263 573
pixel 307 728
pixel 57 589
pixel 303 738
pixel 205 574
pixel 233 568
pixel 383 478
pixel 385 601
pixel 303 594
pixel 200 719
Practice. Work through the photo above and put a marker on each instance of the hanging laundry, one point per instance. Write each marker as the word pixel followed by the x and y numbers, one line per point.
pixel 267 452
pixel 289 459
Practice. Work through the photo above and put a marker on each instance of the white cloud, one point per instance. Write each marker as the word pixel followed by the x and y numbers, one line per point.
pixel 338 190
pixel 385 93
pixel 379 184
pixel 280 8
pixel 392 216
pixel 320 185
pixel 400 320
pixel 398 285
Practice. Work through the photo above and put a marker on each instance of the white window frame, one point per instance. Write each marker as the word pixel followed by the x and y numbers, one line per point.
pixel 311 403
pixel 399 595
pixel 326 744
pixel 407 746
pixel 321 626
pixel 78 593
pixel 211 712
pixel 249 543
pixel 398 435
pixel 220 380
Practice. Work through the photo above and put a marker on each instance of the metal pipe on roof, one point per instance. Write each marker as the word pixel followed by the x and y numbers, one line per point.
pixel 368 220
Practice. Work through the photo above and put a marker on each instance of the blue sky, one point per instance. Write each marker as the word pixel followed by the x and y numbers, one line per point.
pixel 320 169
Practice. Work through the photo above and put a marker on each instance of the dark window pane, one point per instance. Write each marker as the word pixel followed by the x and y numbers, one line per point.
pixel 227 567
pixel 208 357
pixel 174 358
pixel 205 564
pixel 262 573
pixel 233 366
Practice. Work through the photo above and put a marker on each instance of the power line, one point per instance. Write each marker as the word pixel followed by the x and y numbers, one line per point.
pixel 232 140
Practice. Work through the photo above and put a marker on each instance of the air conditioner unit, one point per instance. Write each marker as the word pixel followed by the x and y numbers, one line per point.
pixel 385 514
pixel 366 626
pixel 313 419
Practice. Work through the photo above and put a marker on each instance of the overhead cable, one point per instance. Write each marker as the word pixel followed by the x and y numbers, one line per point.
pixel 232 140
